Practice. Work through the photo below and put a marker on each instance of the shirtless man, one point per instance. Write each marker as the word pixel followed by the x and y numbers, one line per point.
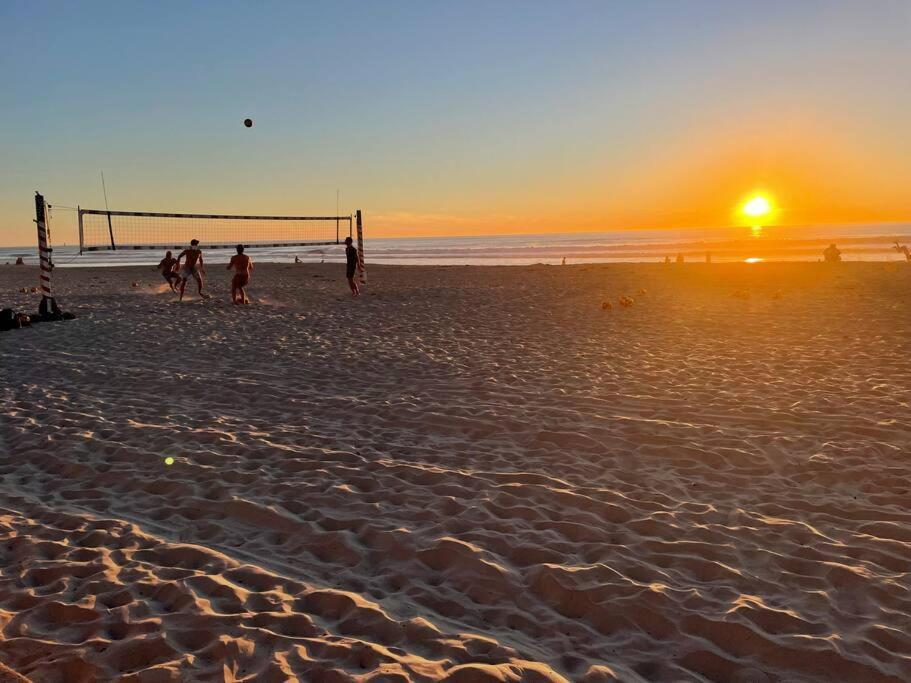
pixel 243 268
pixel 168 268
pixel 193 267
pixel 352 264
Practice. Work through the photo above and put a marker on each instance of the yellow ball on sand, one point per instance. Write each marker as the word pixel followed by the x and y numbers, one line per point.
pixel 169 460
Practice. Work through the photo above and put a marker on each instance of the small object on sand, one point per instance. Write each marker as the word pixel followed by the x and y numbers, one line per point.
pixel 34 290
pixel 134 284
pixel 641 292
pixel 204 295
pixel 625 301
pixel 741 294
pixel 169 460
pixel 607 306
pixel 23 290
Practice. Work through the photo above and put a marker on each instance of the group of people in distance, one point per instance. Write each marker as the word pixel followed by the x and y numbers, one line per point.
pixel 178 276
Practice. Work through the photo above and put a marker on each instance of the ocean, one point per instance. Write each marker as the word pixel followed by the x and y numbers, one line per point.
pixel 857 243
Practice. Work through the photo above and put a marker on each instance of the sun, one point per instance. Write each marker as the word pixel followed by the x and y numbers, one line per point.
pixel 757 207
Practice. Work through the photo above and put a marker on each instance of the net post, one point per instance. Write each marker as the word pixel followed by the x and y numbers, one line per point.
pixel 111 232
pixel 81 230
pixel 44 257
pixel 360 249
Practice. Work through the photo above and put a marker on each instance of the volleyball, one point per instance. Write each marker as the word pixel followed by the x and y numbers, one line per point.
pixel 248 123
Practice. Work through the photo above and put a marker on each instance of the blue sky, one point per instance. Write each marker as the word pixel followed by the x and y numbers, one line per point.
pixel 447 118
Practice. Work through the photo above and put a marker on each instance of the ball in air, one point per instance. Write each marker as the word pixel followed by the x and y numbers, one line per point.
pixel 248 123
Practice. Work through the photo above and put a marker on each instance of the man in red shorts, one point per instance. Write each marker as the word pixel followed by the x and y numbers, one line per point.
pixel 243 267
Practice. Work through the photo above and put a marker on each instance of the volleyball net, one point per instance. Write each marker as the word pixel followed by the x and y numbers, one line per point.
pixel 103 230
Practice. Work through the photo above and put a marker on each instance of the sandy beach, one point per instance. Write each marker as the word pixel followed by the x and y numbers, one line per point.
pixel 467 474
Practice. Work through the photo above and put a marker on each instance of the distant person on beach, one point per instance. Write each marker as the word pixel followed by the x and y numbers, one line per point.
pixel 667 259
pixel 297 259
pixel 243 268
pixel 193 267
pixel 832 254
pixel 708 257
pixel 351 266
pixel 903 249
pixel 564 261
pixel 168 268
pixel 19 261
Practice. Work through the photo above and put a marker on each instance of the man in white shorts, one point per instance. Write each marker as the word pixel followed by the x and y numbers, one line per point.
pixel 192 267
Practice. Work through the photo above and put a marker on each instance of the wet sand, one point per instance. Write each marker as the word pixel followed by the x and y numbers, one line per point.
pixel 468 474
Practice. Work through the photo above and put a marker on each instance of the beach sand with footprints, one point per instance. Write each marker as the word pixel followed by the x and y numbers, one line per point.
pixel 468 474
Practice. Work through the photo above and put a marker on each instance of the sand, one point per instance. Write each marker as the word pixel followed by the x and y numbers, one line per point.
pixel 468 474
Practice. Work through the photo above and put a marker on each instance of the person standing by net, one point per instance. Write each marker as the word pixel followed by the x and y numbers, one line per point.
pixel 351 266
pixel 243 268
pixel 193 267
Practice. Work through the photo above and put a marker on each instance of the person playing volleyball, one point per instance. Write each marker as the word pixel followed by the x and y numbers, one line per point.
pixel 168 268
pixel 193 267
pixel 243 268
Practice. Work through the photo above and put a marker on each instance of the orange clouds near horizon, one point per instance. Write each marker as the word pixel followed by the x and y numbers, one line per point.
pixel 817 173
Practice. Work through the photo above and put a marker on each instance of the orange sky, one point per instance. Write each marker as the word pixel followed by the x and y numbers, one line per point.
pixel 814 173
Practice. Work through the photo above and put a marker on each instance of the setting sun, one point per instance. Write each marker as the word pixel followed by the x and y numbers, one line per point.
pixel 757 207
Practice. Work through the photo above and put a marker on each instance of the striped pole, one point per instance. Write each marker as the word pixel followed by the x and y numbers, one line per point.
pixel 360 249
pixel 44 250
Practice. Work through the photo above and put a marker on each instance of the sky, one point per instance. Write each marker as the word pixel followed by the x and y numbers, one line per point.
pixel 450 118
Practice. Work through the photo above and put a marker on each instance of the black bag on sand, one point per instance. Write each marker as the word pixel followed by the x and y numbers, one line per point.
pixel 49 311
pixel 49 307
pixel 51 314
pixel 9 320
